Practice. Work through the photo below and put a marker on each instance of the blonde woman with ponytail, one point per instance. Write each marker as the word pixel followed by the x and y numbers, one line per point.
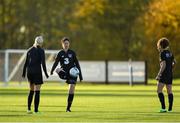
pixel 35 58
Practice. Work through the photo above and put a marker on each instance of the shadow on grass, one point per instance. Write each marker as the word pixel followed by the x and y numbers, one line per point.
pixel 84 94
pixel 86 90
pixel 26 105
pixel 90 90
pixel 11 115
pixel 9 111
pixel 98 93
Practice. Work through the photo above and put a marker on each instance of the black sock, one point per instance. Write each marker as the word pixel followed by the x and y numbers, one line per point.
pixel 30 97
pixel 161 99
pixel 36 100
pixel 170 97
pixel 70 100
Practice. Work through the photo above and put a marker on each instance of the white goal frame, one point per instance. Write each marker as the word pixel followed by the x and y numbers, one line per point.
pixel 7 76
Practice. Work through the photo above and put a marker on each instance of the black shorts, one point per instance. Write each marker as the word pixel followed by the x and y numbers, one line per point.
pixel 166 80
pixel 36 79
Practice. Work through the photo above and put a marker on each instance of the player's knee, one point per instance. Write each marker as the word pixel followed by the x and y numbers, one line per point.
pixel 37 87
pixel 32 88
pixel 71 91
pixel 169 91
pixel 159 91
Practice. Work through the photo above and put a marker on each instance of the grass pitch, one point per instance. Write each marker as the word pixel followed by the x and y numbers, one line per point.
pixel 92 103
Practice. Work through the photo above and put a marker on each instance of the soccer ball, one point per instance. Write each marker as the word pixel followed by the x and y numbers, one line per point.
pixel 74 72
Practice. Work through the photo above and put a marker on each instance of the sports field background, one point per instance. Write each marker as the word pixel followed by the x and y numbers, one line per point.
pixel 92 103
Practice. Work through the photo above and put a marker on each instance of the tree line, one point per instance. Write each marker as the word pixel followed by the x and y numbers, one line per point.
pixel 98 29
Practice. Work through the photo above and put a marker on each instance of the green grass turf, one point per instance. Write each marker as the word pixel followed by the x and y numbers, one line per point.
pixel 92 103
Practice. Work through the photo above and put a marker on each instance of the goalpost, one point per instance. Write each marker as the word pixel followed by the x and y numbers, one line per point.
pixel 14 61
